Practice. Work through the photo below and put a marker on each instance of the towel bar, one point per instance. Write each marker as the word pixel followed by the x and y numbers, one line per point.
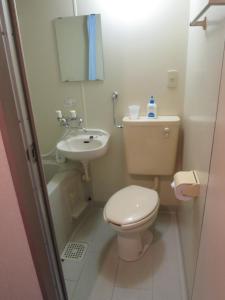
pixel 203 23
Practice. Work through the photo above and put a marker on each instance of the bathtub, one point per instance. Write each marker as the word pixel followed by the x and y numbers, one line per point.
pixel 66 197
pixel 50 169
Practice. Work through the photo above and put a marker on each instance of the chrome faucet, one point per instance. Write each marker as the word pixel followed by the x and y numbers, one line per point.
pixel 80 122
pixel 65 121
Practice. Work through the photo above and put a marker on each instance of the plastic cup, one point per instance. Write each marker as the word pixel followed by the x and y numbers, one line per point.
pixel 134 111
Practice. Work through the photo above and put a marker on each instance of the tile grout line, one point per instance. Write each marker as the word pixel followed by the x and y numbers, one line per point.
pixel 153 265
pixel 89 252
pixel 75 284
pixel 71 239
pixel 79 277
pixel 86 256
pixel 181 263
pixel 153 279
pixel 79 229
pixel 115 277
pixel 79 226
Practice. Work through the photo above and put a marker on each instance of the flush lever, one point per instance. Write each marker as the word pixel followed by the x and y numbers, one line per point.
pixel 166 131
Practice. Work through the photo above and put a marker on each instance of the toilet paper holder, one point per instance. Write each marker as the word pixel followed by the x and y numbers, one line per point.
pixel 189 182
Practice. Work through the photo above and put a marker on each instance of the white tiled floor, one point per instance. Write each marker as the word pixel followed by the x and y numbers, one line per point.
pixel 101 275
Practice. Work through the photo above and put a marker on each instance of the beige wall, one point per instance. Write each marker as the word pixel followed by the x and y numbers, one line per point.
pixel 204 63
pixel 141 42
pixel 48 93
pixel 209 283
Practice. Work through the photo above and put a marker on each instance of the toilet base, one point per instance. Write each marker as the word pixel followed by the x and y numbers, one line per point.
pixel 132 246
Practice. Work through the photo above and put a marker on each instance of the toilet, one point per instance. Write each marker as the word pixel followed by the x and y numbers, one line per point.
pixel 150 149
pixel 130 212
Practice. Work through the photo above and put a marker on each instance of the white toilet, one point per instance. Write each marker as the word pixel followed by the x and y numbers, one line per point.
pixel 150 147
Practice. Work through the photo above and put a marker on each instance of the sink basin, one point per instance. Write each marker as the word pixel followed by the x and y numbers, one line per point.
pixel 84 146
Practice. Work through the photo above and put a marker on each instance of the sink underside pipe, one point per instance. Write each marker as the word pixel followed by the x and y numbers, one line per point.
pixel 86 177
pixel 156 183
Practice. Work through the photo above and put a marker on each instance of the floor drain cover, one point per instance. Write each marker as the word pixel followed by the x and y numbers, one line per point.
pixel 74 251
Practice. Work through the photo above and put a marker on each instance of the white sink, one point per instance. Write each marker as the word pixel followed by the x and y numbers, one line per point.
pixel 84 146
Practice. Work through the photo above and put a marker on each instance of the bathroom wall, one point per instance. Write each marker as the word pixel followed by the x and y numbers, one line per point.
pixel 209 283
pixel 48 93
pixel 15 257
pixel 205 52
pixel 141 42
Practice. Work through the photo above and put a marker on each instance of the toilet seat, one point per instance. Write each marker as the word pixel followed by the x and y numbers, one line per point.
pixel 131 207
pixel 135 225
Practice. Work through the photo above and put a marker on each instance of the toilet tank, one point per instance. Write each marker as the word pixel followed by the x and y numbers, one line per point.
pixel 151 144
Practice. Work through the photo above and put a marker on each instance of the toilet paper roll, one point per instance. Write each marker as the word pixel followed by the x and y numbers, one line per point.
pixel 179 192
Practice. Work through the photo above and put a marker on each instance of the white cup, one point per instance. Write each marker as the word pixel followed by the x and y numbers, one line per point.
pixel 134 111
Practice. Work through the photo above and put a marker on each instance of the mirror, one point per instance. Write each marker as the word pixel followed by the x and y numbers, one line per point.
pixel 79 44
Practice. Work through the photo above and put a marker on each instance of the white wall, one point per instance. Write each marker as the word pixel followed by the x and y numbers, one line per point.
pixel 209 283
pixel 204 64
pixel 39 45
pixel 141 42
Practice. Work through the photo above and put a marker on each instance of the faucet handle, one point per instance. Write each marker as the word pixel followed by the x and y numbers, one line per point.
pixel 73 114
pixel 59 114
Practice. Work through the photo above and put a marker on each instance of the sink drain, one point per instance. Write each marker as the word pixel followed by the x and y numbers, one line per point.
pixel 74 251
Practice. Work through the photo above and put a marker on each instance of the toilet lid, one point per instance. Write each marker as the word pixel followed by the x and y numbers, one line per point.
pixel 131 205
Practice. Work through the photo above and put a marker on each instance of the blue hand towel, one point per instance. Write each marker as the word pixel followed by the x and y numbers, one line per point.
pixel 91 28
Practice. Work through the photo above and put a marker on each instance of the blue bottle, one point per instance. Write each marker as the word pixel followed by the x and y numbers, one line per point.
pixel 152 108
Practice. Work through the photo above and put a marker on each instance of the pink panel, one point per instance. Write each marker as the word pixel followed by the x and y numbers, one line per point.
pixel 18 280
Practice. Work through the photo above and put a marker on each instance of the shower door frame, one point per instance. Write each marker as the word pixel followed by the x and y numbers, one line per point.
pixel 18 132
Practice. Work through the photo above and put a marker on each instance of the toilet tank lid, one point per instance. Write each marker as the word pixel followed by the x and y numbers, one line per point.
pixel 147 121
pixel 131 204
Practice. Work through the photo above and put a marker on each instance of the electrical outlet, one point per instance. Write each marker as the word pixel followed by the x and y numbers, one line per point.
pixel 172 78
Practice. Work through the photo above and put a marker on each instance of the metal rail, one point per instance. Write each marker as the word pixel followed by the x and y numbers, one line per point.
pixel 203 23
pixel 114 100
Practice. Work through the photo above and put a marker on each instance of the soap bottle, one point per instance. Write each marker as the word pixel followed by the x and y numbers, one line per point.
pixel 152 108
